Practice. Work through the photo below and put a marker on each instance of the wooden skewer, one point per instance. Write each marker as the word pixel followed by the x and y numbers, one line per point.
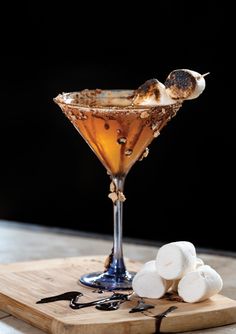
pixel 205 74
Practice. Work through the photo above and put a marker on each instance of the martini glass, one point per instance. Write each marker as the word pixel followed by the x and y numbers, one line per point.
pixel 119 134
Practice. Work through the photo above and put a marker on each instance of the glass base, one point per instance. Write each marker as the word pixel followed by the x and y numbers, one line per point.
pixel 106 281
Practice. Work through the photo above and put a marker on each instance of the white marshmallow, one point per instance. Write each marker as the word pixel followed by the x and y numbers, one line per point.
pixel 185 84
pixel 200 285
pixel 148 283
pixel 200 85
pixel 152 92
pixel 174 286
pixel 175 259
pixel 199 262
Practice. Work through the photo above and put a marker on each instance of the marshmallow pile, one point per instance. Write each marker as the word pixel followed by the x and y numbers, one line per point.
pixel 180 85
pixel 177 269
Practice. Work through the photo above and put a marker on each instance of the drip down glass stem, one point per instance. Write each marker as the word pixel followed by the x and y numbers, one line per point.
pixel 117 266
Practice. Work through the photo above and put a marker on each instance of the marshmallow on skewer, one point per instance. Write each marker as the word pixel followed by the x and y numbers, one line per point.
pixel 185 84
pixel 175 259
pixel 148 283
pixel 199 285
pixel 152 92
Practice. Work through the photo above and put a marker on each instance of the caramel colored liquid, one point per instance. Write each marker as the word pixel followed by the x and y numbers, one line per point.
pixel 118 137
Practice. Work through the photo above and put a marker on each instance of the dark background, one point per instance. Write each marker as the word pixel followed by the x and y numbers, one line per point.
pixel 48 174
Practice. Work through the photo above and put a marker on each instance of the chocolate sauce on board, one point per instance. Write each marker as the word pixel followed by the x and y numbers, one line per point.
pixel 161 316
pixel 113 297
pixel 73 297
pixel 112 306
pixel 105 304
pixel 111 303
pixel 141 306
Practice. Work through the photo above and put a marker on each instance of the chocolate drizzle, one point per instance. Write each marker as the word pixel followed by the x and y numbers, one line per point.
pixel 73 297
pixel 161 316
pixel 112 306
pixel 110 303
pixel 114 296
pixel 141 306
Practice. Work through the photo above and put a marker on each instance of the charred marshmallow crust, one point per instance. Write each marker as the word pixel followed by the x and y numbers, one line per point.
pixel 181 83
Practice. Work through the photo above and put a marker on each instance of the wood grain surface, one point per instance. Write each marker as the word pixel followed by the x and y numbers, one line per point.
pixel 22 284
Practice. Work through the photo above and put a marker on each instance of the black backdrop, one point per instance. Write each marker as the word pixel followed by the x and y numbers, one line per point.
pixel 48 174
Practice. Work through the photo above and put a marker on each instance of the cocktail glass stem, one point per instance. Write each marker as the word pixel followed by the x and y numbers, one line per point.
pixel 117 265
pixel 115 276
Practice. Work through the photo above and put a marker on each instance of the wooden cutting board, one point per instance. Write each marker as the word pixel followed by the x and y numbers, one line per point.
pixel 22 284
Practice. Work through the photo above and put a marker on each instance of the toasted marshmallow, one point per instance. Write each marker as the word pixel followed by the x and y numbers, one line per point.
pixel 148 283
pixel 152 92
pixel 175 259
pixel 200 285
pixel 185 84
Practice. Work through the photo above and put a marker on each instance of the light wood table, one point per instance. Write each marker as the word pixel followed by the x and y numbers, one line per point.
pixel 23 242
